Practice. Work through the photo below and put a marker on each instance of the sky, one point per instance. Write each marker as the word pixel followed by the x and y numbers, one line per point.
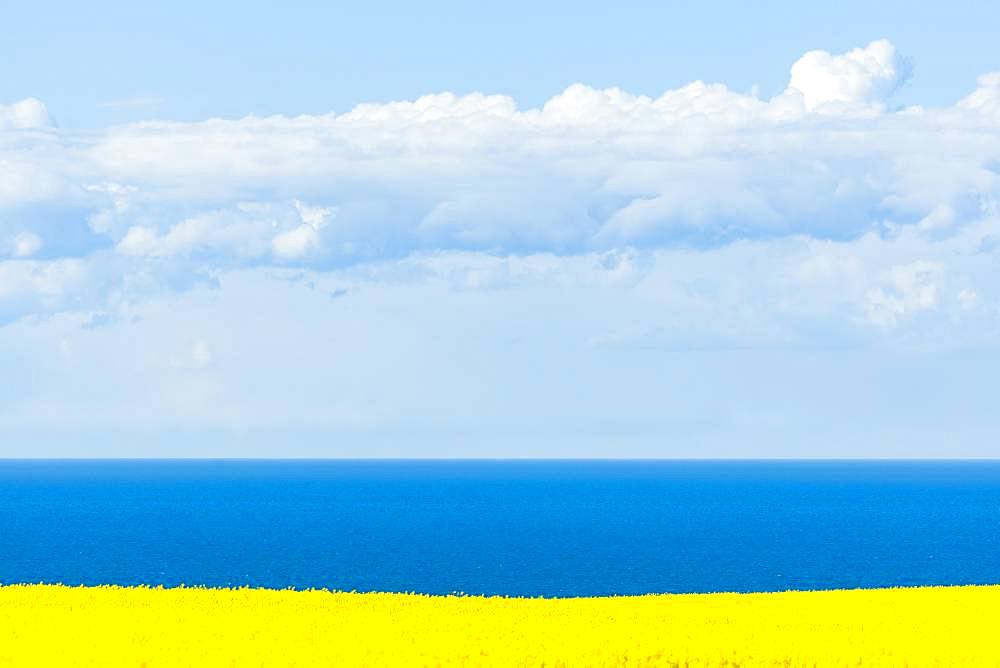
pixel 446 230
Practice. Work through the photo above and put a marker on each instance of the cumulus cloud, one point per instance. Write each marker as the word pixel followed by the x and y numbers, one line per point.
pixel 245 232
pixel 26 114
pixel 863 76
pixel 689 177
pixel 305 238
pixel 986 98
pixel 239 233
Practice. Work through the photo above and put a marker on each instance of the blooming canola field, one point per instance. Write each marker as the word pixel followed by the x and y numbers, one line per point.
pixel 118 626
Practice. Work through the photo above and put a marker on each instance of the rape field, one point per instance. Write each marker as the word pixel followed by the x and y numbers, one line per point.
pixel 115 626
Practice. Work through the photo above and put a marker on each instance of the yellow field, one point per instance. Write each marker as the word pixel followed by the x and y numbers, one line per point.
pixel 65 626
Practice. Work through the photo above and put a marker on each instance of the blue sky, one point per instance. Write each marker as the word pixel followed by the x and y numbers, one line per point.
pixel 439 230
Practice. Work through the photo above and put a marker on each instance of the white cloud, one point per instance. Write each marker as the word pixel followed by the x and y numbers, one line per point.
pixel 591 169
pixel 25 244
pixel 32 286
pixel 139 241
pixel 26 114
pixel 247 231
pixel 305 238
pixel 813 179
pixel 908 289
pixel 295 243
pixel 986 98
pixel 523 269
pixel 45 278
pixel 863 76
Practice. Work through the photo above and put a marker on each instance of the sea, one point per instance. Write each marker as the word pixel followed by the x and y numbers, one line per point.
pixel 504 527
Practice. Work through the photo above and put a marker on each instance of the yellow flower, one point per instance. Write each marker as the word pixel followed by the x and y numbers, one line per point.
pixel 116 626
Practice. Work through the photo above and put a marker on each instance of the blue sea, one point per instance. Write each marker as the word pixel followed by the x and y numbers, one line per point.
pixel 549 528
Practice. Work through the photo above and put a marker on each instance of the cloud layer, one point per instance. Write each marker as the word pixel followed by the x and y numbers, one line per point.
pixel 703 219
pixel 590 171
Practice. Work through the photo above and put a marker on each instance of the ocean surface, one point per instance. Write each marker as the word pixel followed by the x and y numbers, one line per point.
pixel 551 528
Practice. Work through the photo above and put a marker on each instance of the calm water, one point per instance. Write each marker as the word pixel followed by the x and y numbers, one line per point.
pixel 525 528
